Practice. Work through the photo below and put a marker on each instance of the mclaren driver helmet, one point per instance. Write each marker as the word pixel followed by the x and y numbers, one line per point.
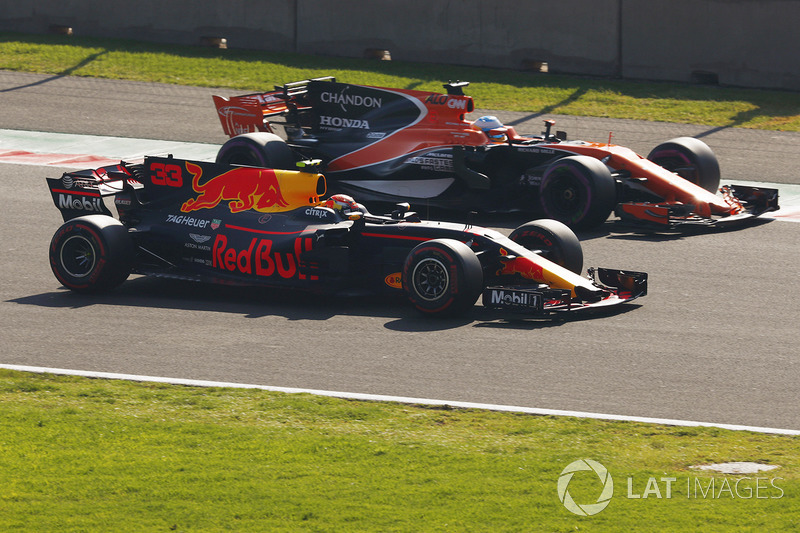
pixel 492 127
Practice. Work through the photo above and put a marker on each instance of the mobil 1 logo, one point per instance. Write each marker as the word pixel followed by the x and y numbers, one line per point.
pixel 515 299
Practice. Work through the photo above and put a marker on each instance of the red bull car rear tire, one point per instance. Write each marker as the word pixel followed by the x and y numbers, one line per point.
pixel 91 254
pixel 442 277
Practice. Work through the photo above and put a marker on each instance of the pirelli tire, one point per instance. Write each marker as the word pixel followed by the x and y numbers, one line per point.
pixel 578 191
pixel 92 253
pixel 442 277
pixel 691 159
pixel 554 240
pixel 259 149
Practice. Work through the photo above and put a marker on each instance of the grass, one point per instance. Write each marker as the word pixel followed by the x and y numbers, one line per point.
pixel 80 454
pixel 491 88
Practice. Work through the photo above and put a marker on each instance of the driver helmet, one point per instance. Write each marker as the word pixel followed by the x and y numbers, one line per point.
pixel 342 203
pixel 492 127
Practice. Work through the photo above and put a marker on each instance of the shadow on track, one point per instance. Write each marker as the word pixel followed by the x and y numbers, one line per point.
pixel 255 303
pixel 66 72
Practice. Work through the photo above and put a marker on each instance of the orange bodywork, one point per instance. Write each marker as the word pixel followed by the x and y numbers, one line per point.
pixel 670 186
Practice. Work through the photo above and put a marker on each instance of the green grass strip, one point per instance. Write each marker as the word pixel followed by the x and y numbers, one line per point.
pixel 80 454
pixel 491 88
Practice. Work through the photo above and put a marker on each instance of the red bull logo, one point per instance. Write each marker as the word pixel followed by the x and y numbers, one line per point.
pixel 524 267
pixel 259 258
pixel 244 189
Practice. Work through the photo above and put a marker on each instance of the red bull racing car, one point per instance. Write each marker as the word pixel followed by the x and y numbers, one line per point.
pixel 389 145
pixel 253 226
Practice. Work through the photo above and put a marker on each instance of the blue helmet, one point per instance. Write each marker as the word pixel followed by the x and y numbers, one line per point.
pixel 492 127
pixel 488 122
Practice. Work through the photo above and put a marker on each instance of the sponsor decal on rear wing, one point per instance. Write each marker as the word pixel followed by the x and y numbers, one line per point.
pixel 248 113
pixel 82 192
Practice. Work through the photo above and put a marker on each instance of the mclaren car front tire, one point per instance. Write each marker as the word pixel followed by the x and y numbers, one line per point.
pixel 691 159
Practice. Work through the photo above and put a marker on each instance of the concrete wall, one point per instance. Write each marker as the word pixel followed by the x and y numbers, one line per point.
pixel 744 42
pixel 467 32
pixel 257 24
pixel 750 43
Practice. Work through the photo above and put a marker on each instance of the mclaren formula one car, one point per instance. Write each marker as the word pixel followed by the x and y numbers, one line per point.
pixel 390 145
pixel 252 226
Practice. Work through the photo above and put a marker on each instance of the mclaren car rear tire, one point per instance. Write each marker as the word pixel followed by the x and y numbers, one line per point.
pixel 578 191
pixel 691 159
pixel 92 253
pixel 258 149
pixel 442 277
pixel 554 240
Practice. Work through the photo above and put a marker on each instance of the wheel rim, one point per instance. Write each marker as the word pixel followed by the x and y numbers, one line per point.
pixel 431 279
pixel 566 195
pixel 78 257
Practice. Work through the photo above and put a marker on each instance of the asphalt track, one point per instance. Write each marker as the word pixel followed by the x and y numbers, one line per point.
pixel 714 341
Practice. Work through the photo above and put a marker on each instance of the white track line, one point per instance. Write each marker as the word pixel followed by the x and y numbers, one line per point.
pixel 397 399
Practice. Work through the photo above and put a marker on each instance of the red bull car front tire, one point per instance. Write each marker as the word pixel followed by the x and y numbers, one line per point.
pixel 554 240
pixel 442 277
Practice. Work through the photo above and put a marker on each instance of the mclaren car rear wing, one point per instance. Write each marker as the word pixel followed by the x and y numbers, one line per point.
pixel 249 112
